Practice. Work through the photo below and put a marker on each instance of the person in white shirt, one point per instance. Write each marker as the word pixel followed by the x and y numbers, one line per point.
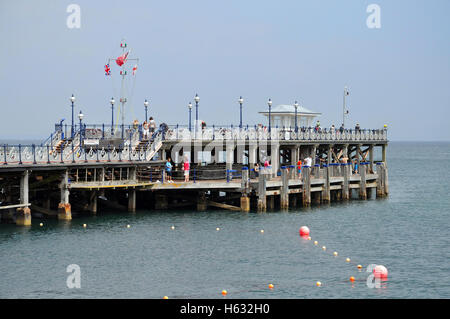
pixel 308 161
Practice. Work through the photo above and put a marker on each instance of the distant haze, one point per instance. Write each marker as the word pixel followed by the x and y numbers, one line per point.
pixel 308 51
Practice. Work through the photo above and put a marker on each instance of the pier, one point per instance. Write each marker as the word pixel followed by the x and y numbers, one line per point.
pixel 121 168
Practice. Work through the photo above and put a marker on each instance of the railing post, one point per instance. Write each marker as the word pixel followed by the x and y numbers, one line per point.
pixel 4 154
pixel 34 153
pixel 73 153
pixel 20 154
pixel 48 154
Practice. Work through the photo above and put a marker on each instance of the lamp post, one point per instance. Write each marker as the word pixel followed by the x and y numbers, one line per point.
pixel 72 99
pixel 190 111
pixel 112 113
pixel 241 101
pixel 269 103
pixel 196 99
pixel 296 107
pixel 80 116
pixel 146 107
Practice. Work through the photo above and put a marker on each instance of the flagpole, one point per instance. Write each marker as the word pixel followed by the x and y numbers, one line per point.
pixel 343 107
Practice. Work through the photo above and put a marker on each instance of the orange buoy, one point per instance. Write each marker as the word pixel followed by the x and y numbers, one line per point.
pixel 270 286
pixel 224 292
pixel 165 297
pixel 352 279
pixel 359 267
pixel 304 231
pixel 347 259
pixel 318 284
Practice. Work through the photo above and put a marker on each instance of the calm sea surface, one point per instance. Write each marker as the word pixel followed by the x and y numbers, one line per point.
pixel 409 233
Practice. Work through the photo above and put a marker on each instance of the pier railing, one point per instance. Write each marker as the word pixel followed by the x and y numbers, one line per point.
pixel 177 132
pixel 73 151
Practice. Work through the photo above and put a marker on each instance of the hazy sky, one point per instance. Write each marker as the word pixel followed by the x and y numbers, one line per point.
pixel 308 51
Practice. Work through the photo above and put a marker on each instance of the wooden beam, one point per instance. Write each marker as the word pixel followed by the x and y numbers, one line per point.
pixel 224 206
pixel 15 206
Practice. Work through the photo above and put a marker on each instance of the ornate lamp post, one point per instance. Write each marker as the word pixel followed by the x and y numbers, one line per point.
pixel 241 101
pixel 269 103
pixel 146 107
pixel 112 113
pixel 296 107
pixel 72 99
pixel 80 116
pixel 190 111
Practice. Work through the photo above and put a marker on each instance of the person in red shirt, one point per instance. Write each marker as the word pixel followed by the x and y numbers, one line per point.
pixel 186 168
pixel 299 167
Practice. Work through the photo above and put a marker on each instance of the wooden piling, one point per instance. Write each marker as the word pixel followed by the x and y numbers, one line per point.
pixel 326 186
pixel 64 207
pixel 362 185
pixel 23 214
pixel 284 194
pixel 262 199
pixel 306 186
pixel 345 184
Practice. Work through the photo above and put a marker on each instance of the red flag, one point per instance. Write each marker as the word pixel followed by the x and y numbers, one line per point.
pixel 122 59
pixel 134 69
pixel 107 69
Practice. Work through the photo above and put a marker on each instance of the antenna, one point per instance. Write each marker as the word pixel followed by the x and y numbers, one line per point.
pixel 344 111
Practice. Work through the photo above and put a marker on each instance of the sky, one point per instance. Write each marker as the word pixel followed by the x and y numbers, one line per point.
pixel 397 74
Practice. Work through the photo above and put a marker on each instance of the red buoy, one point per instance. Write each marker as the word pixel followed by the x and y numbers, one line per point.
pixel 380 272
pixel 304 231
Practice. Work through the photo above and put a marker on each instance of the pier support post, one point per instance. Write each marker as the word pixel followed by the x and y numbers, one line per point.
pixel 262 200
pixel 230 156
pixel 362 184
pixel 270 200
pixel 345 185
pixel 245 189
pixel 326 185
pixel 294 155
pixel 93 202
pixel 275 157
pixel 23 214
pixel 161 201
pixel 201 202
pixel 132 192
pixel 293 200
pixel 64 208
pixel 306 186
pixel 252 155
pixel 284 194
pixel 132 200
pixel 371 159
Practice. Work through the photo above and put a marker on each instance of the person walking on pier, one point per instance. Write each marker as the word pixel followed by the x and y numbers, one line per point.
pixel 169 171
pixel 341 129
pixel 186 168
pixel 152 125
pixel 146 129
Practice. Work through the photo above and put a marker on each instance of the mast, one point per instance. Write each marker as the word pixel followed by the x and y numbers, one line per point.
pixel 123 73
